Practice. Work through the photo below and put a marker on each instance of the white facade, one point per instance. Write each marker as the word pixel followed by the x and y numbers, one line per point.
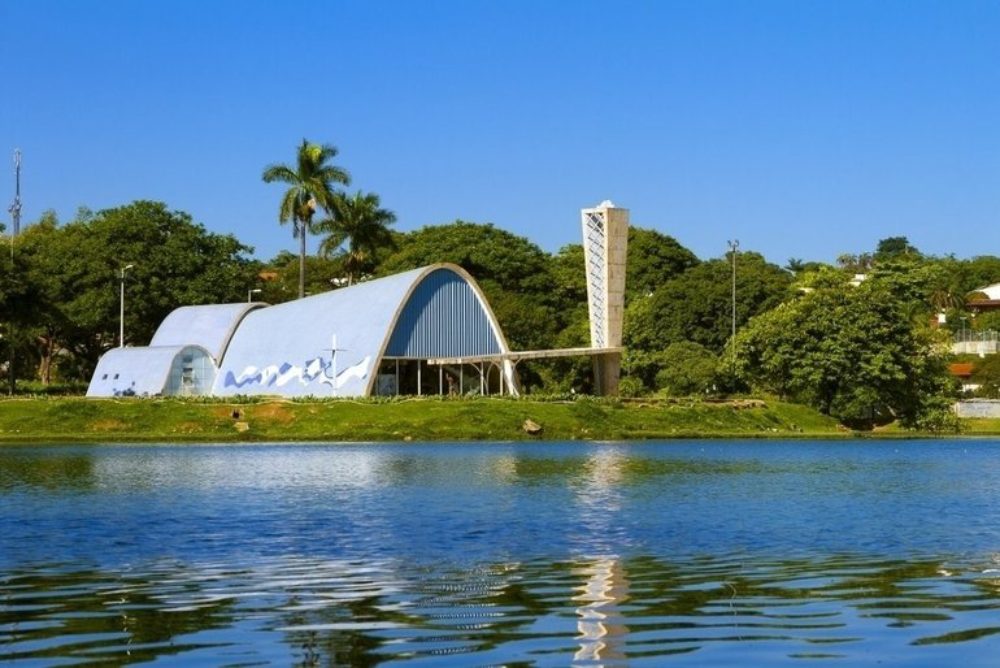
pixel 331 344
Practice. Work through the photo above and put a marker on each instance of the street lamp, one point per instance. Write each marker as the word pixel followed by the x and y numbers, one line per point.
pixel 734 246
pixel 251 293
pixel 121 329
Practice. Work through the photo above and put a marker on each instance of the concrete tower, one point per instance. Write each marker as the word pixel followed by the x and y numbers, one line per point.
pixel 605 244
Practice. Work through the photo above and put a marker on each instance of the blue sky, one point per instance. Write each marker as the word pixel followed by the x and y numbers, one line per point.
pixel 804 128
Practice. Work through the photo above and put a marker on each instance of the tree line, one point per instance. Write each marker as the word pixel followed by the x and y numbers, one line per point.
pixel 865 351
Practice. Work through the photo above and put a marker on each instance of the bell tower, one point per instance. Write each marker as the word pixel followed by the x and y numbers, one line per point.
pixel 605 244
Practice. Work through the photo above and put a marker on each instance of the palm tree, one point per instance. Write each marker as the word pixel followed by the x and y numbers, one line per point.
pixel 311 186
pixel 359 221
pixel 943 299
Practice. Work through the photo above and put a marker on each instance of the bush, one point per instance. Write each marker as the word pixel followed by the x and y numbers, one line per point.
pixel 688 368
pixel 629 386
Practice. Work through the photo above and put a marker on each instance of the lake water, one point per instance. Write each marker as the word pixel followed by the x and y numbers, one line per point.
pixel 686 553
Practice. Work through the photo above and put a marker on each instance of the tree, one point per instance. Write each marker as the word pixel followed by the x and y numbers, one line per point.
pixel 986 374
pixel 979 272
pixel 311 184
pixel 943 299
pixel 990 320
pixel 795 265
pixel 858 264
pixel 514 273
pixel 177 262
pixel 653 259
pixel 697 305
pixel 962 277
pixel 280 276
pixel 569 283
pixel 798 267
pixel 362 224
pixel 20 302
pixel 892 247
pixel 916 283
pixel 687 369
pixel 851 353
pixel 48 320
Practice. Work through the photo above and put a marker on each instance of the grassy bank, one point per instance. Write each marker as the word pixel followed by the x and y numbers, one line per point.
pixel 981 426
pixel 78 419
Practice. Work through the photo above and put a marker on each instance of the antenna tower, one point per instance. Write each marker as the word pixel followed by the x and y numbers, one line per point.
pixel 15 208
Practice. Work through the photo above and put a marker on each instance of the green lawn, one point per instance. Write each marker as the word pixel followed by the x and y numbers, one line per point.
pixel 981 426
pixel 79 419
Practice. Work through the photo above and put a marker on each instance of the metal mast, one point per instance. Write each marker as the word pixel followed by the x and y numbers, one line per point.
pixel 734 247
pixel 15 211
pixel 15 208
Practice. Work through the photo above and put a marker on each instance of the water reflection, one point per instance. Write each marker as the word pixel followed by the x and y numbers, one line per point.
pixel 54 613
pixel 602 631
pixel 52 471
pixel 599 499
pixel 495 555
pixel 623 610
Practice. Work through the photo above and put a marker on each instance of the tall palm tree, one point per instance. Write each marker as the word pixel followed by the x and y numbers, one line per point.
pixel 311 186
pixel 359 221
pixel 943 299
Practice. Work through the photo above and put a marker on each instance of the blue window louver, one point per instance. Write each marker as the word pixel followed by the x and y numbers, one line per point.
pixel 442 318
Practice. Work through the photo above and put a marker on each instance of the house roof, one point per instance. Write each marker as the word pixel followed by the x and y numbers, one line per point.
pixel 992 292
pixel 961 369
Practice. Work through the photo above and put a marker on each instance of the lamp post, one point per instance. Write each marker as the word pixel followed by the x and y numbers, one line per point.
pixel 121 329
pixel 251 293
pixel 963 318
pixel 15 208
pixel 734 246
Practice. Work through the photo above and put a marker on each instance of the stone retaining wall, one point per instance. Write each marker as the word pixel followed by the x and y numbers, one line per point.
pixel 978 408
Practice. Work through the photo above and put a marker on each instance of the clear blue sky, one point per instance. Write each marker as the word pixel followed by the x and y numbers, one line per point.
pixel 803 128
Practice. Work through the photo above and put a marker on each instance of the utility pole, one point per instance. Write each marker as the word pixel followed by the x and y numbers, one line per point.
pixel 734 246
pixel 121 322
pixel 15 208
pixel 15 212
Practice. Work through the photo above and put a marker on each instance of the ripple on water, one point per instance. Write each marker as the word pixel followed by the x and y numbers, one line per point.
pixel 488 555
pixel 598 609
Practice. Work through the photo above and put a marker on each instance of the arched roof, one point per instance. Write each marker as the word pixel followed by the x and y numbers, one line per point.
pixel 992 292
pixel 210 326
pixel 135 371
pixel 428 312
